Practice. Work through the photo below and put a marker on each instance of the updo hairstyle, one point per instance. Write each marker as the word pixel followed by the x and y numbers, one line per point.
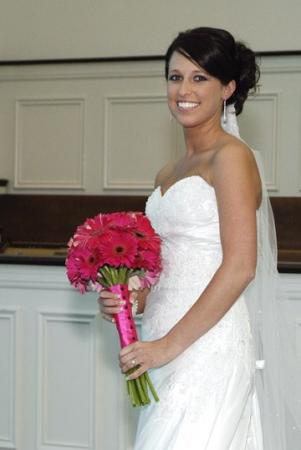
pixel 216 51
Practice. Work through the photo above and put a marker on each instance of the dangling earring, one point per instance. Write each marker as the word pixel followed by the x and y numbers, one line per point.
pixel 225 112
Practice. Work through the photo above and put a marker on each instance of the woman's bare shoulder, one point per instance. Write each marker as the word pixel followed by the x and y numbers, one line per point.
pixel 235 155
pixel 234 168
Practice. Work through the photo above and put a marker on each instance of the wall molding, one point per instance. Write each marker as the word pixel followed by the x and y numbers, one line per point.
pixel 34 277
pixel 45 319
pixel 291 284
pixel 299 152
pixel 91 68
pixel 20 108
pixel 128 58
pixel 96 80
pixel 79 72
pixel 274 97
pixel 11 440
pixel 110 101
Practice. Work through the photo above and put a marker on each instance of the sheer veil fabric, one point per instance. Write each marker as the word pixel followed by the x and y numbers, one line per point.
pixel 278 371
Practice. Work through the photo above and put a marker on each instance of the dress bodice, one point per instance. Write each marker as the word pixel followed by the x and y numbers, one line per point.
pixel 186 219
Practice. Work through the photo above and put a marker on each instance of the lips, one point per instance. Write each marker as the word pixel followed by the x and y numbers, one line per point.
pixel 187 106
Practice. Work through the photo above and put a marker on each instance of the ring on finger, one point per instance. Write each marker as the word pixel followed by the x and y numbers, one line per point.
pixel 133 362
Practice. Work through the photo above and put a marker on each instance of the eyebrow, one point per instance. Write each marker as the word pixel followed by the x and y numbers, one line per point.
pixel 195 71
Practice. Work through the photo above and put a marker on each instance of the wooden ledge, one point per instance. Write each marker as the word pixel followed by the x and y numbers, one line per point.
pixel 48 221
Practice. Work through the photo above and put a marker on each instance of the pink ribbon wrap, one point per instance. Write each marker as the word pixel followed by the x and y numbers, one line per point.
pixel 124 319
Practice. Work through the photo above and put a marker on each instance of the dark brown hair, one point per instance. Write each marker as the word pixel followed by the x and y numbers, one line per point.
pixel 217 52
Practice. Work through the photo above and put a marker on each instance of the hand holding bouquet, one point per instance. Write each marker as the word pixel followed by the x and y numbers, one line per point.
pixel 104 253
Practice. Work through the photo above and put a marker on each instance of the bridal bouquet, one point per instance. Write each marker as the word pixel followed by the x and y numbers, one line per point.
pixel 105 253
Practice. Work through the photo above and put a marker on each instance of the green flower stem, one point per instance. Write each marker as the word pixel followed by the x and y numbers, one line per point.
pixel 132 393
pixel 138 389
pixel 143 395
pixel 151 386
pixel 144 384
pixel 137 392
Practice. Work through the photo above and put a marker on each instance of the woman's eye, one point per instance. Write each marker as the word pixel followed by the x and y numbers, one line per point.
pixel 174 77
pixel 200 78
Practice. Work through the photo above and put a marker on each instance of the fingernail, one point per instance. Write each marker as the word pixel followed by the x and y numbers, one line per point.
pixel 122 302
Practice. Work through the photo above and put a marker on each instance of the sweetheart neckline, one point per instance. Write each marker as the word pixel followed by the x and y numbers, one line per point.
pixel 180 180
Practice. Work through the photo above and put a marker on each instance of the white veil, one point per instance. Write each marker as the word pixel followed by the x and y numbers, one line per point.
pixel 278 365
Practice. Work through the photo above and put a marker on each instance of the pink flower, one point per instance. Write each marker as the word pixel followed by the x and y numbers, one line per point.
pixel 149 278
pixel 119 220
pixel 147 259
pixel 74 276
pixel 147 238
pixel 120 239
pixel 87 233
pixel 83 264
pixel 118 248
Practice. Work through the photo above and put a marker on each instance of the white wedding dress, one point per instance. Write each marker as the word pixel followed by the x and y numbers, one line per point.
pixel 207 394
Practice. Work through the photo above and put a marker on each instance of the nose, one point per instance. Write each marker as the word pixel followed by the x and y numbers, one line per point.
pixel 184 88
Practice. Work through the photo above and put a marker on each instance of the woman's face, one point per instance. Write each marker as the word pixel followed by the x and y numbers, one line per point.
pixel 194 96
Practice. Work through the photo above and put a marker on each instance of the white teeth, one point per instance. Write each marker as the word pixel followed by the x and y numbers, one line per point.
pixel 187 105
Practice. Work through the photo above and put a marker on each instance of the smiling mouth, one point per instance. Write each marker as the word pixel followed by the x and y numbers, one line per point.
pixel 187 106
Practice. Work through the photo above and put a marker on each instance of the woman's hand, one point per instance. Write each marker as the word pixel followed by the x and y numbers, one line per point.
pixel 110 304
pixel 144 356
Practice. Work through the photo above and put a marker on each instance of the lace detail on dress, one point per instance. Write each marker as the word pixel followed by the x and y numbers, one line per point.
pixel 193 387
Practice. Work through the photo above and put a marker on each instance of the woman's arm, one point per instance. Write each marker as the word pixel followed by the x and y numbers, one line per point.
pixel 236 180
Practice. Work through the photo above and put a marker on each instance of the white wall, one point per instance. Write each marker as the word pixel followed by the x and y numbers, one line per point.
pixel 104 128
pixel 61 386
pixel 34 29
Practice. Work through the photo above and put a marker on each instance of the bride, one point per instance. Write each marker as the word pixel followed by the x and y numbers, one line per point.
pixel 197 334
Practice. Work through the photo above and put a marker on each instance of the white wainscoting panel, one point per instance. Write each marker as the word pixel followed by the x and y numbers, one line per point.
pixel 299 149
pixel 66 392
pixel 67 380
pixel 292 287
pixel 8 377
pixel 49 143
pixel 139 138
pixel 282 75
pixel 117 419
pixel 259 128
pixel 104 128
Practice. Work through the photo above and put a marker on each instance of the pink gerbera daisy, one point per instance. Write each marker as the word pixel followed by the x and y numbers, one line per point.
pixel 119 220
pixel 147 239
pixel 83 262
pixel 118 248
pixel 146 259
pixel 87 233
pixel 74 275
